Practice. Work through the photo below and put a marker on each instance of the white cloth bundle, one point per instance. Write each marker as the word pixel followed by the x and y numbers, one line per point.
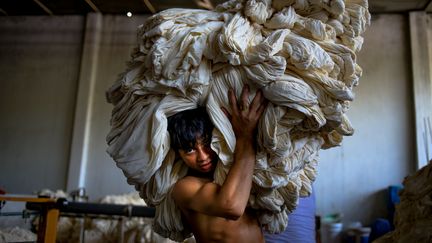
pixel 300 53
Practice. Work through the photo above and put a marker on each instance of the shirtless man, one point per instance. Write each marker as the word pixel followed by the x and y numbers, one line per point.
pixel 217 213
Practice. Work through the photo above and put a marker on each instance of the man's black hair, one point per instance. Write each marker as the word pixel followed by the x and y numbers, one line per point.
pixel 186 127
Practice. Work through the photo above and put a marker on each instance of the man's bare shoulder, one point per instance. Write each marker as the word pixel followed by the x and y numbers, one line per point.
pixel 187 187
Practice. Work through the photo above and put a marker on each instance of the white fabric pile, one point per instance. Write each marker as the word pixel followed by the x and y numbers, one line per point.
pixel 16 234
pixel 301 53
pixel 109 230
pixel 413 216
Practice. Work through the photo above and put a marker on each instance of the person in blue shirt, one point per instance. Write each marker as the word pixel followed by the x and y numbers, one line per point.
pixel 301 224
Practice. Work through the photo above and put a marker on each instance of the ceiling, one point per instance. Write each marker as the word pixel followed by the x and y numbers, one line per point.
pixel 82 7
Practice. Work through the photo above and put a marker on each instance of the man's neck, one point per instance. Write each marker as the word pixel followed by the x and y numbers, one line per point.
pixel 194 173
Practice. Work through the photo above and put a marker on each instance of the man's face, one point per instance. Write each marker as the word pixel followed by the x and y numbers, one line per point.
pixel 200 158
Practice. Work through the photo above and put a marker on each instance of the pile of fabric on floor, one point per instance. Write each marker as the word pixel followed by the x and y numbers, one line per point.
pixel 413 217
pixel 300 53
pixel 98 230
pixel 108 230
pixel 17 234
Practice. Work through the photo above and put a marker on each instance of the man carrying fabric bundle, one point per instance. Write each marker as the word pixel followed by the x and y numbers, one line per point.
pixel 217 213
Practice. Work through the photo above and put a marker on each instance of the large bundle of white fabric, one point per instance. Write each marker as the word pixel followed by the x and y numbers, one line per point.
pixel 301 53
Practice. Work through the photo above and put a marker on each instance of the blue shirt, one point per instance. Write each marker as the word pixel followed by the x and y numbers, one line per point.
pixel 301 224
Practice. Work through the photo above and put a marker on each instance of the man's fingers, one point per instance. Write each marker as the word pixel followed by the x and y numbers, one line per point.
pixel 244 98
pixel 227 114
pixel 233 101
pixel 257 101
pixel 242 105
pixel 262 108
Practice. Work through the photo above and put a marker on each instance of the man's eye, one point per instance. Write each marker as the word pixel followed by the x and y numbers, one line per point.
pixel 189 151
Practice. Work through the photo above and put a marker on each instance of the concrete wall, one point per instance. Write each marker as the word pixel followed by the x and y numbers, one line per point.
pixel 118 39
pixel 39 66
pixel 351 178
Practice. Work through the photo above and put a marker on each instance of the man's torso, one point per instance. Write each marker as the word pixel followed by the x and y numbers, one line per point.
pixel 208 228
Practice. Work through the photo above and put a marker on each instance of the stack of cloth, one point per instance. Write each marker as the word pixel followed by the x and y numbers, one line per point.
pixel 104 229
pixel 17 234
pixel 413 217
pixel 300 53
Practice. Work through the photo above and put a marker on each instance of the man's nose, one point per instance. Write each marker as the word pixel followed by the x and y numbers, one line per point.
pixel 202 153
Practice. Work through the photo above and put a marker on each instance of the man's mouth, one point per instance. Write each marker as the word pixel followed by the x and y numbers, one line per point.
pixel 205 165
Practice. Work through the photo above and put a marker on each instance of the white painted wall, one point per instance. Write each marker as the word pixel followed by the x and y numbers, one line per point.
pixel 351 178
